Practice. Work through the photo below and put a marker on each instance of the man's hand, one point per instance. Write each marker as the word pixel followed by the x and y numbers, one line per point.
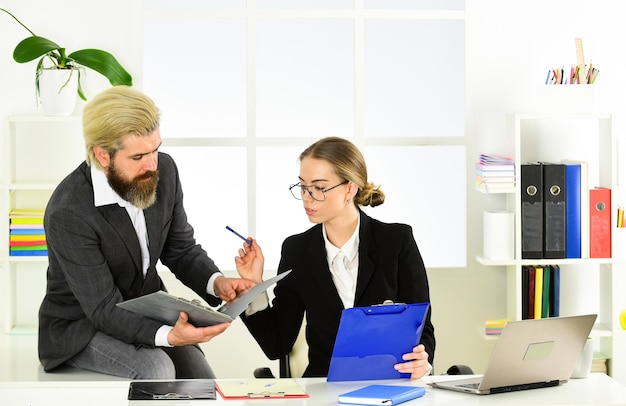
pixel 417 363
pixel 185 333
pixel 228 288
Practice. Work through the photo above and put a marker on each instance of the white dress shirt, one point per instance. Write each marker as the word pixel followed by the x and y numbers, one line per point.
pixel 103 195
pixel 343 263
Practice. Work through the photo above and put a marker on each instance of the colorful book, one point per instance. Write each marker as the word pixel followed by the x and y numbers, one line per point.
pixel 26 231
pixel 555 291
pixel 29 253
pixel 531 292
pixel 538 292
pixel 545 298
pixel 26 220
pixel 32 237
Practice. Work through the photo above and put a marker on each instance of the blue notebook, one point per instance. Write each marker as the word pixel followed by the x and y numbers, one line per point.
pixel 371 340
pixel 381 395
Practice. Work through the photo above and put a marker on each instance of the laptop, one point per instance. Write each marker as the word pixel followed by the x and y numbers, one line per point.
pixel 529 354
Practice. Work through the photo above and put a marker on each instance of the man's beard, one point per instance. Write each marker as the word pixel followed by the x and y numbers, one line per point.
pixel 138 191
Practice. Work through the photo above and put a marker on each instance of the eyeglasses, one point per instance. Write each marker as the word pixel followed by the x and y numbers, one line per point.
pixel 316 192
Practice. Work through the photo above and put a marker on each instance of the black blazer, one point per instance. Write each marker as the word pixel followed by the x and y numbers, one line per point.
pixel 95 262
pixel 390 267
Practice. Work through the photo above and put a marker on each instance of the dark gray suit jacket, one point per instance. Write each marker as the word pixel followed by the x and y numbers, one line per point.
pixel 95 262
pixel 390 267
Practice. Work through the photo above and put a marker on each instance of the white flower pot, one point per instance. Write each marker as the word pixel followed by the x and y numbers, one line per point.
pixel 58 91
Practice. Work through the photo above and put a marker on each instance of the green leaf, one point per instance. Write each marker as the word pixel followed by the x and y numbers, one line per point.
pixel 32 48
pixel 80 87
pixel 103 63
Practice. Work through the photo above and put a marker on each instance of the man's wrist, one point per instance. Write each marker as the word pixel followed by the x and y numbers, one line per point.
pixel 160 338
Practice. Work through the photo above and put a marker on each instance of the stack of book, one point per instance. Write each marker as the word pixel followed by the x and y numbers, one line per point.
pixel 541 291
pixel 599 363
pixel 495 174
pixel 26 233
pixel 494 327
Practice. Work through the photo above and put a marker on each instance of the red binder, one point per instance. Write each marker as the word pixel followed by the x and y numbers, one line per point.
pixel 600 223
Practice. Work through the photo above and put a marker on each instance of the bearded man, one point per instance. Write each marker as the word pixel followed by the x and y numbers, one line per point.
pixel 107 224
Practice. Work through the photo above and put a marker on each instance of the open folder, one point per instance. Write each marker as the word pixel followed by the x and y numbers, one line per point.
pixel 165 307
pixel 259 388
pixel 371 340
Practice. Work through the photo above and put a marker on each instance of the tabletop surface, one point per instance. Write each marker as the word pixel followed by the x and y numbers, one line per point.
pixel 596 389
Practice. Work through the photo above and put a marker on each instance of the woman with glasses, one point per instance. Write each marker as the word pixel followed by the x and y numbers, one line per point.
pixel 347 259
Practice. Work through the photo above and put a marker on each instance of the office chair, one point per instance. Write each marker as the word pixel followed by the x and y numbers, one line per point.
pixel 293 364
pixel 459 369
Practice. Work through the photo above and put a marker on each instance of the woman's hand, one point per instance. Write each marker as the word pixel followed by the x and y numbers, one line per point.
pixel 250 262
pixel 416 363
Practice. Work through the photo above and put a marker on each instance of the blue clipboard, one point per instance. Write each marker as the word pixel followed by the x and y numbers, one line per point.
pixel 370 340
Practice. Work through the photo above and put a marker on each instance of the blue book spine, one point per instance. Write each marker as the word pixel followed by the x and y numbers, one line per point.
pixel 29 253
pixel 555 275
pixel 27 231
pixel 573 215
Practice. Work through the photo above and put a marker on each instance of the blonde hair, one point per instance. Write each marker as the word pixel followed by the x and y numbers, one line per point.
pixel 114 114
pixel 349 164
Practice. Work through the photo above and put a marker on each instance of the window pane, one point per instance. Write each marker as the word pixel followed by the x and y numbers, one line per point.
pixel 416 4
pixel 191 4
pixel 414 78
pixel 278 214
pixel 425 187
pixel 215 195
pixel 204 93
pixel 305 4
pixel 305 78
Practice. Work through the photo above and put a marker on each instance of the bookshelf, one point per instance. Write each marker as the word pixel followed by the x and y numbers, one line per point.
pixel 589 285
pixel 38 152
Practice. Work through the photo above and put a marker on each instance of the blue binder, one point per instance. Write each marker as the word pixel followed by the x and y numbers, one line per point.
pixel 573 242
pixel 370 340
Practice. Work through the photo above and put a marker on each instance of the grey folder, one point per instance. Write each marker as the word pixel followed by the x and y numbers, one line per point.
pixel 165 307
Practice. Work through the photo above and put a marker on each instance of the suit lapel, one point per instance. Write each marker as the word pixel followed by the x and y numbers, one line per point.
pixel 367 250
pixel 153 225
pixel 120 222
pixel 319 267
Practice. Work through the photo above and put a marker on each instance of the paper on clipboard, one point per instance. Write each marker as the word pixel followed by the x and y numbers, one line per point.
pixel 370 340
pixel 259 388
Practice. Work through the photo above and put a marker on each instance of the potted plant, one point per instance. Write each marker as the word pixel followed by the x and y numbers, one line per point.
pixel 48 51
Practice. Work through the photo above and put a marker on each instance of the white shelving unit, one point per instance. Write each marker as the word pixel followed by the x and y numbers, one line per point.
pixel 38 152
pixel 595 285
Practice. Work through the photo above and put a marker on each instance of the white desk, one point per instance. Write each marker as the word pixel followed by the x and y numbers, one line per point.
pixel 597 389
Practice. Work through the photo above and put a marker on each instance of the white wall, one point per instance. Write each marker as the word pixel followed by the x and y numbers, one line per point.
pixel 510 46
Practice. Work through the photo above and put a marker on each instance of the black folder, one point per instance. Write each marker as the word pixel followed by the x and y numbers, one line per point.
pixel 180 389
pixel 531 182
pixel 555 214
